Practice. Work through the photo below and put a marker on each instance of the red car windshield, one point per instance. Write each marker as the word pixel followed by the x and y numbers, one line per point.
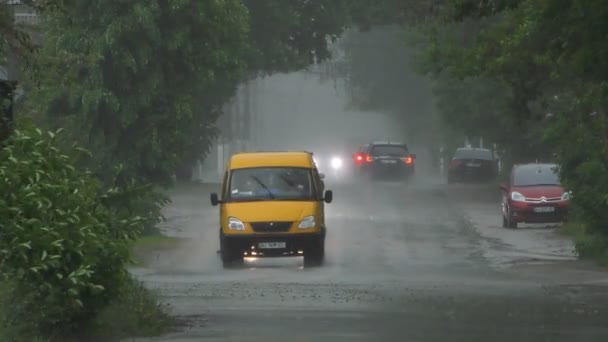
pixel 536 175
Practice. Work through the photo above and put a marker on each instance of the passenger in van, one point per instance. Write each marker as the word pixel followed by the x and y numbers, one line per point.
pixel 244 187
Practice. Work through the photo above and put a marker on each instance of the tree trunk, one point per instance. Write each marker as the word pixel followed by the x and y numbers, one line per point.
pixel 184 171
pixel 7 93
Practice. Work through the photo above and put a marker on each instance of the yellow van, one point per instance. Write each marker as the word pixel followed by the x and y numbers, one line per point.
pixel 272 204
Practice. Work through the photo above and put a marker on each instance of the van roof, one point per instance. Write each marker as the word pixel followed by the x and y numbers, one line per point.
pixel 271 159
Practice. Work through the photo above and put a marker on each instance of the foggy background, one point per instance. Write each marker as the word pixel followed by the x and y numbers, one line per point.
pixel 294 111
pixel 299 111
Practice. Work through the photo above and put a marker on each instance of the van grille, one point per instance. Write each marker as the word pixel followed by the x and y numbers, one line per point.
pixel 271 227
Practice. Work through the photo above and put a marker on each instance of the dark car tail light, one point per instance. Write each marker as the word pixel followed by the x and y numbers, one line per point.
pixel 455 163
pixel 359 158
pixel 408 160
pixel 369 159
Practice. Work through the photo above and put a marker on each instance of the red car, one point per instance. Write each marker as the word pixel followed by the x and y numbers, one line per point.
pixel 534 195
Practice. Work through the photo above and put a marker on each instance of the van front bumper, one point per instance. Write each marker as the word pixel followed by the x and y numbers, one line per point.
pixel 250 243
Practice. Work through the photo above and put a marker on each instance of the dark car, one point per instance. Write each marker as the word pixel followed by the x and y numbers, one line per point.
pixel 534 195
pixel 386 160
pixel 472 164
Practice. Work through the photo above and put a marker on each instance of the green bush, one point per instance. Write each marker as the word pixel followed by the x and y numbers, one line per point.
pixel 62 245
pixel 579 130
pixel 135 311
pixel 130 198
pixel 589 244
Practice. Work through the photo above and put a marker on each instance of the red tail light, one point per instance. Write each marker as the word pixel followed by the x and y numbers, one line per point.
pixel 359 158
pixel 369 159
pixel 455 163
pixel 408 160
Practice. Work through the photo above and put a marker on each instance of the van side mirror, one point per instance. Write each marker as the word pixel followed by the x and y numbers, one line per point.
pixel 329 196
pixel 322 175
pixel 214 199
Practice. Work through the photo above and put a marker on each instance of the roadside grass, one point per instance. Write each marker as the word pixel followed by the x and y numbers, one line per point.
pixel 11 330
pixel 135 312
pixel 589 246
pixel 146 246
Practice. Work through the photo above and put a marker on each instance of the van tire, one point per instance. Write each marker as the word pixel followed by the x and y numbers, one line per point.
pixel 230 257
pixel 314 255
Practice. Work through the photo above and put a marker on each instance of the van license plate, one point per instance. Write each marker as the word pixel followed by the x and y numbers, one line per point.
pixel 544 209
pixel 272 245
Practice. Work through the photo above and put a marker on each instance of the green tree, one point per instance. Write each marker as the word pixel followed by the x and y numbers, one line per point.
pixel 291 35
pixel 381 76
pixel 124 78
pixel 551 55
pixel 64 239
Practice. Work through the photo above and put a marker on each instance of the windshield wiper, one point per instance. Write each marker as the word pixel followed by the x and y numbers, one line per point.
pixel 287 181
pixel 257 180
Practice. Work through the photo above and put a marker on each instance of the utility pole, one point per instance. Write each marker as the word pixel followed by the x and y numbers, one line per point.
pixel 255 115
pixel 246 118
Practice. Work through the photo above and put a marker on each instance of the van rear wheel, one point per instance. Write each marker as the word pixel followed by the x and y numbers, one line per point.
pixel 315 253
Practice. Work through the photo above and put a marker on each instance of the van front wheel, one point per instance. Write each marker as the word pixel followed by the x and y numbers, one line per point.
pixel 315 253
pixel 230 257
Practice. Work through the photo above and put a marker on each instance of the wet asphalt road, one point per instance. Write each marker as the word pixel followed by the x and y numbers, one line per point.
pixel 422 262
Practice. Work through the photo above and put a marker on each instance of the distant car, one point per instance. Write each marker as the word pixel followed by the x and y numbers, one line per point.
pixel 386 161
pixel 472 164
pixel 534 195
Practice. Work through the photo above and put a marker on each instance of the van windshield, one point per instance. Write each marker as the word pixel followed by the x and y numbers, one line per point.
pixel 271 183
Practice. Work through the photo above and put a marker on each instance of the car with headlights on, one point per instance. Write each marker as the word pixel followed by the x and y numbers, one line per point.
pixel 272 205
pixel 534 194
pixel 386 161
pixel 335 164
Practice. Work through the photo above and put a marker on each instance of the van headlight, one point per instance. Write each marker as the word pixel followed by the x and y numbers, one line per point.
pixel 517 197
pixel 307 222
pixel 235 224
